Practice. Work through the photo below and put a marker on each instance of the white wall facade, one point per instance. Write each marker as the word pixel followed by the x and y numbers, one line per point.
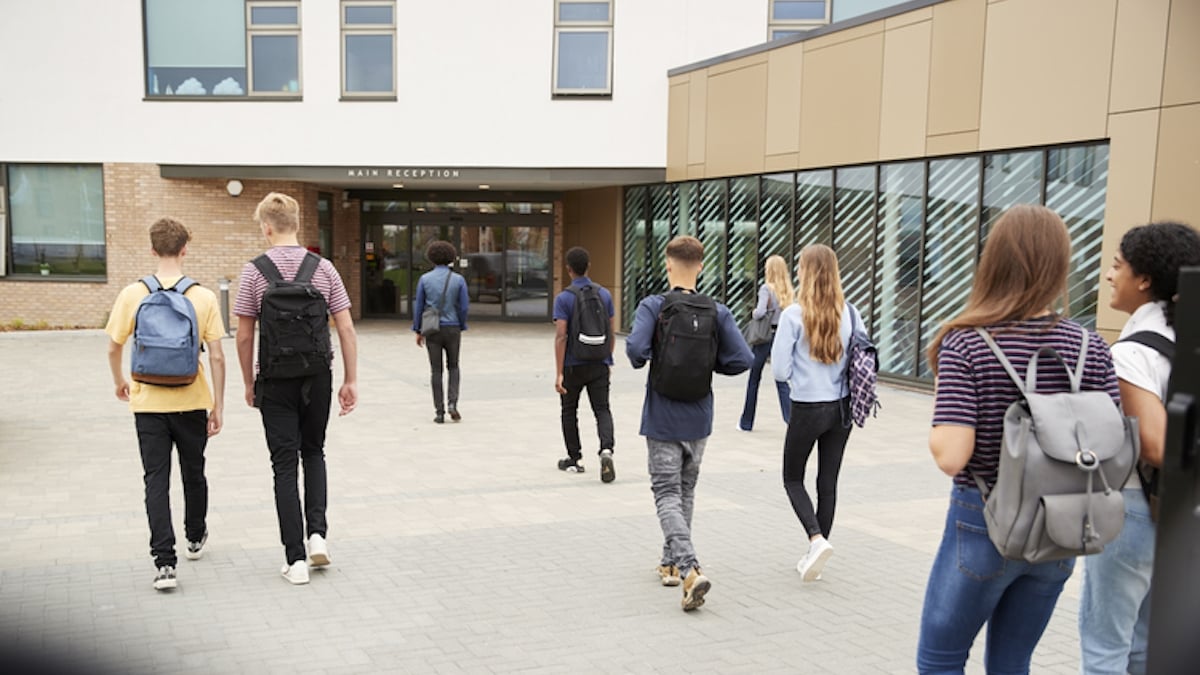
pixel 473 89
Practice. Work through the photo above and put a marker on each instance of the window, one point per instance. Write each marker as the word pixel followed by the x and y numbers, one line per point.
pixel 56 216
pixel 222 48
pixel 583 47
pixel 368 49
pixel 793 17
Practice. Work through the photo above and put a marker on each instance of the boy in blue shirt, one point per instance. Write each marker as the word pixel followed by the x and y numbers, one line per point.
pixel 676 431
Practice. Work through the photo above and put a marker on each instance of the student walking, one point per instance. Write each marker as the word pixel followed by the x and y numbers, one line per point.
pixel 583 358
pixel 775 294
pixel 445 292
pixel 678 409
pixel 293 383
pixel 810 352
pixel 171 407
pixel 1021 276
pixel 1114 608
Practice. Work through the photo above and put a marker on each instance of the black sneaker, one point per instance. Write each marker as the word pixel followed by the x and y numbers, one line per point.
pixel 608 473
pixel 165 579
pixel 195 549
pixel 439 418
pixel 570 465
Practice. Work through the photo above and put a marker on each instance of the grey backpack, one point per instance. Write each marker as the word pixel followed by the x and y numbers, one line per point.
pixel 1064 459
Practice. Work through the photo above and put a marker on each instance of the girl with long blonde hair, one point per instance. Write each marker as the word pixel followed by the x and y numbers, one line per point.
pixel 809 353
pixel 773 296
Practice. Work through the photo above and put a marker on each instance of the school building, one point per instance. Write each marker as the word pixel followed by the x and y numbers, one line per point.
pixel 896 132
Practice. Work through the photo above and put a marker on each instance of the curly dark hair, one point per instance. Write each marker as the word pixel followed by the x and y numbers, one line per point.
pixel 1158 250
pixel 578 260
pixel 440 252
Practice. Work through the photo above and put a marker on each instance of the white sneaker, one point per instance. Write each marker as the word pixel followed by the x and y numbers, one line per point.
pixel 296 573
pixel 318 551
pixel 810 565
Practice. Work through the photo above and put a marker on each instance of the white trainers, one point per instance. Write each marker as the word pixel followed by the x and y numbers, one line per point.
pixel 318 551
pixel 810 565
pixel 296 573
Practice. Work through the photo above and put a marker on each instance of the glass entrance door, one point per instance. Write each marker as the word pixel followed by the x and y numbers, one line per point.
pixel 386 263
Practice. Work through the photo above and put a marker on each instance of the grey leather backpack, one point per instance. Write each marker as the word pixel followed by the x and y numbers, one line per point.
pixel 1064 459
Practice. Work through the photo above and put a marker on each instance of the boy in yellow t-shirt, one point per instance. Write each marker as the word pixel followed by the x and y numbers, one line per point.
pixel 172 416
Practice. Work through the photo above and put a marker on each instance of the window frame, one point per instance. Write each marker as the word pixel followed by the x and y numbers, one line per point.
pixel 794 25
pixel 6 227
pixel 273 30
pixel 358 29
pixel 583 26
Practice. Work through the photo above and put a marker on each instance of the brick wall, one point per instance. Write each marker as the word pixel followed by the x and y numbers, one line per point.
pixel 224 237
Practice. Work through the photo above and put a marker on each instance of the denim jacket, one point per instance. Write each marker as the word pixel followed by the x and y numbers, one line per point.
pixel 429 291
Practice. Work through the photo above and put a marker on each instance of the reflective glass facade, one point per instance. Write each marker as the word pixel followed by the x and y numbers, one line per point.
pixel 908 234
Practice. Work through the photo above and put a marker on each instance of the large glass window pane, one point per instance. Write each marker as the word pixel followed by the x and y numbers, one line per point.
pixel 799 10
pixel 854 235
pixel 369 15
pixel 1075 189
pixel 689 210
pixel 744 271
pixel 814 208
pixel 369 63
pixel 712 235
pixel 276 65
pixel 527 272
pixel 775 219
pixel 57 216
pixel 195 48
pixel 634 256
pixel 583 60
pixel 583 11
pixel 898 266
pixel 664 215
pixel 951 243
pixel 1010 179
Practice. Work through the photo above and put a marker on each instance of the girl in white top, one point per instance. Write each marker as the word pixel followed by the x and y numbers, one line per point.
pixel 773 296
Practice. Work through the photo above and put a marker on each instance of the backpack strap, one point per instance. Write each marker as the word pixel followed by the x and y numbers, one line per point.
pixel 184 284
pixel 308 267
pixel 268 268
pixel 151 283
pixel 1156 341
pixel 1008 366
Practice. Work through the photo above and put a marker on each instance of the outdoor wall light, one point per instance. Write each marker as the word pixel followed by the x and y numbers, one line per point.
pixel 234 187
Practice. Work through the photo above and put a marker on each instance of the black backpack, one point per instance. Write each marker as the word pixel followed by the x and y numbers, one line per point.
pixel 685 346
pixel 1148 473
pixel 293 324
pixel 589 330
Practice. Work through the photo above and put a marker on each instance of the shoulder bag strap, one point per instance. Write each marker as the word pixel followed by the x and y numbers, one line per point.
pixel 445 286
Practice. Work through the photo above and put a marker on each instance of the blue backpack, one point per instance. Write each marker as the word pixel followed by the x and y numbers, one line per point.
pixel 166 337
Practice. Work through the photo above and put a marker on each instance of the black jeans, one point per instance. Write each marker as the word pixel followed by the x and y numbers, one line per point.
pixel 295 412
pixel 447 339
pixel 594 378
pixel 819 423
pixel 157 433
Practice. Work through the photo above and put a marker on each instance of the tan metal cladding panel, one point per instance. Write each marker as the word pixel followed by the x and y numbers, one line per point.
pixel 1181 83
pixel 956 68
pixel 1139 51
pixel 839 105
pixel 736 130
pixel 1178 166
pixel 905 99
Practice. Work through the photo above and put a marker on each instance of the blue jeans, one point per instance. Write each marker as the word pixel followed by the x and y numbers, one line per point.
pixel 1114 612
pixel 761 352
pixel 971 584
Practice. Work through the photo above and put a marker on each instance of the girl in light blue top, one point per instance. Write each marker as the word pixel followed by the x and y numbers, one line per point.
pixel 773 296
pixel 810 352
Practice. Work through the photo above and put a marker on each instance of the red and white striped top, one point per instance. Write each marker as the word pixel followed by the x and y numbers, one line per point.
pixel 253 284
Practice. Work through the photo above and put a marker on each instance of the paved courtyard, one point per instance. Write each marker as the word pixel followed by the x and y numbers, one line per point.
pixel 458 548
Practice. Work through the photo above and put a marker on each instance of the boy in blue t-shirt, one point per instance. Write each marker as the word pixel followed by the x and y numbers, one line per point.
pixel 677 431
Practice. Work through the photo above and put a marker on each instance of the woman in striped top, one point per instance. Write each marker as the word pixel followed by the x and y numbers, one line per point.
pixel 1021 276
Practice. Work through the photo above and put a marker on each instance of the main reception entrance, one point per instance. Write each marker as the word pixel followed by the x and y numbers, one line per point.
pixel 504 253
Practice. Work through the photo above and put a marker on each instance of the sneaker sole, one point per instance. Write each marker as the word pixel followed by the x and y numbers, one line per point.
pixel 814 571
pixel 319 559
pixel 193 556
pixel 699 589
pixel 608 473
pixel 165 585
pixel 671 581
pixel 294 582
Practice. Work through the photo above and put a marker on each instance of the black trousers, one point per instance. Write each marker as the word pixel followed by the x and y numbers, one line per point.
pixel 820 424
pixel 295 413
pixel 594 377
pixel 448 340
pixel 188 433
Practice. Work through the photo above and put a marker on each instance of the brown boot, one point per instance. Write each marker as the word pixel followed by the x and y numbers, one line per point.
pixel 695 586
